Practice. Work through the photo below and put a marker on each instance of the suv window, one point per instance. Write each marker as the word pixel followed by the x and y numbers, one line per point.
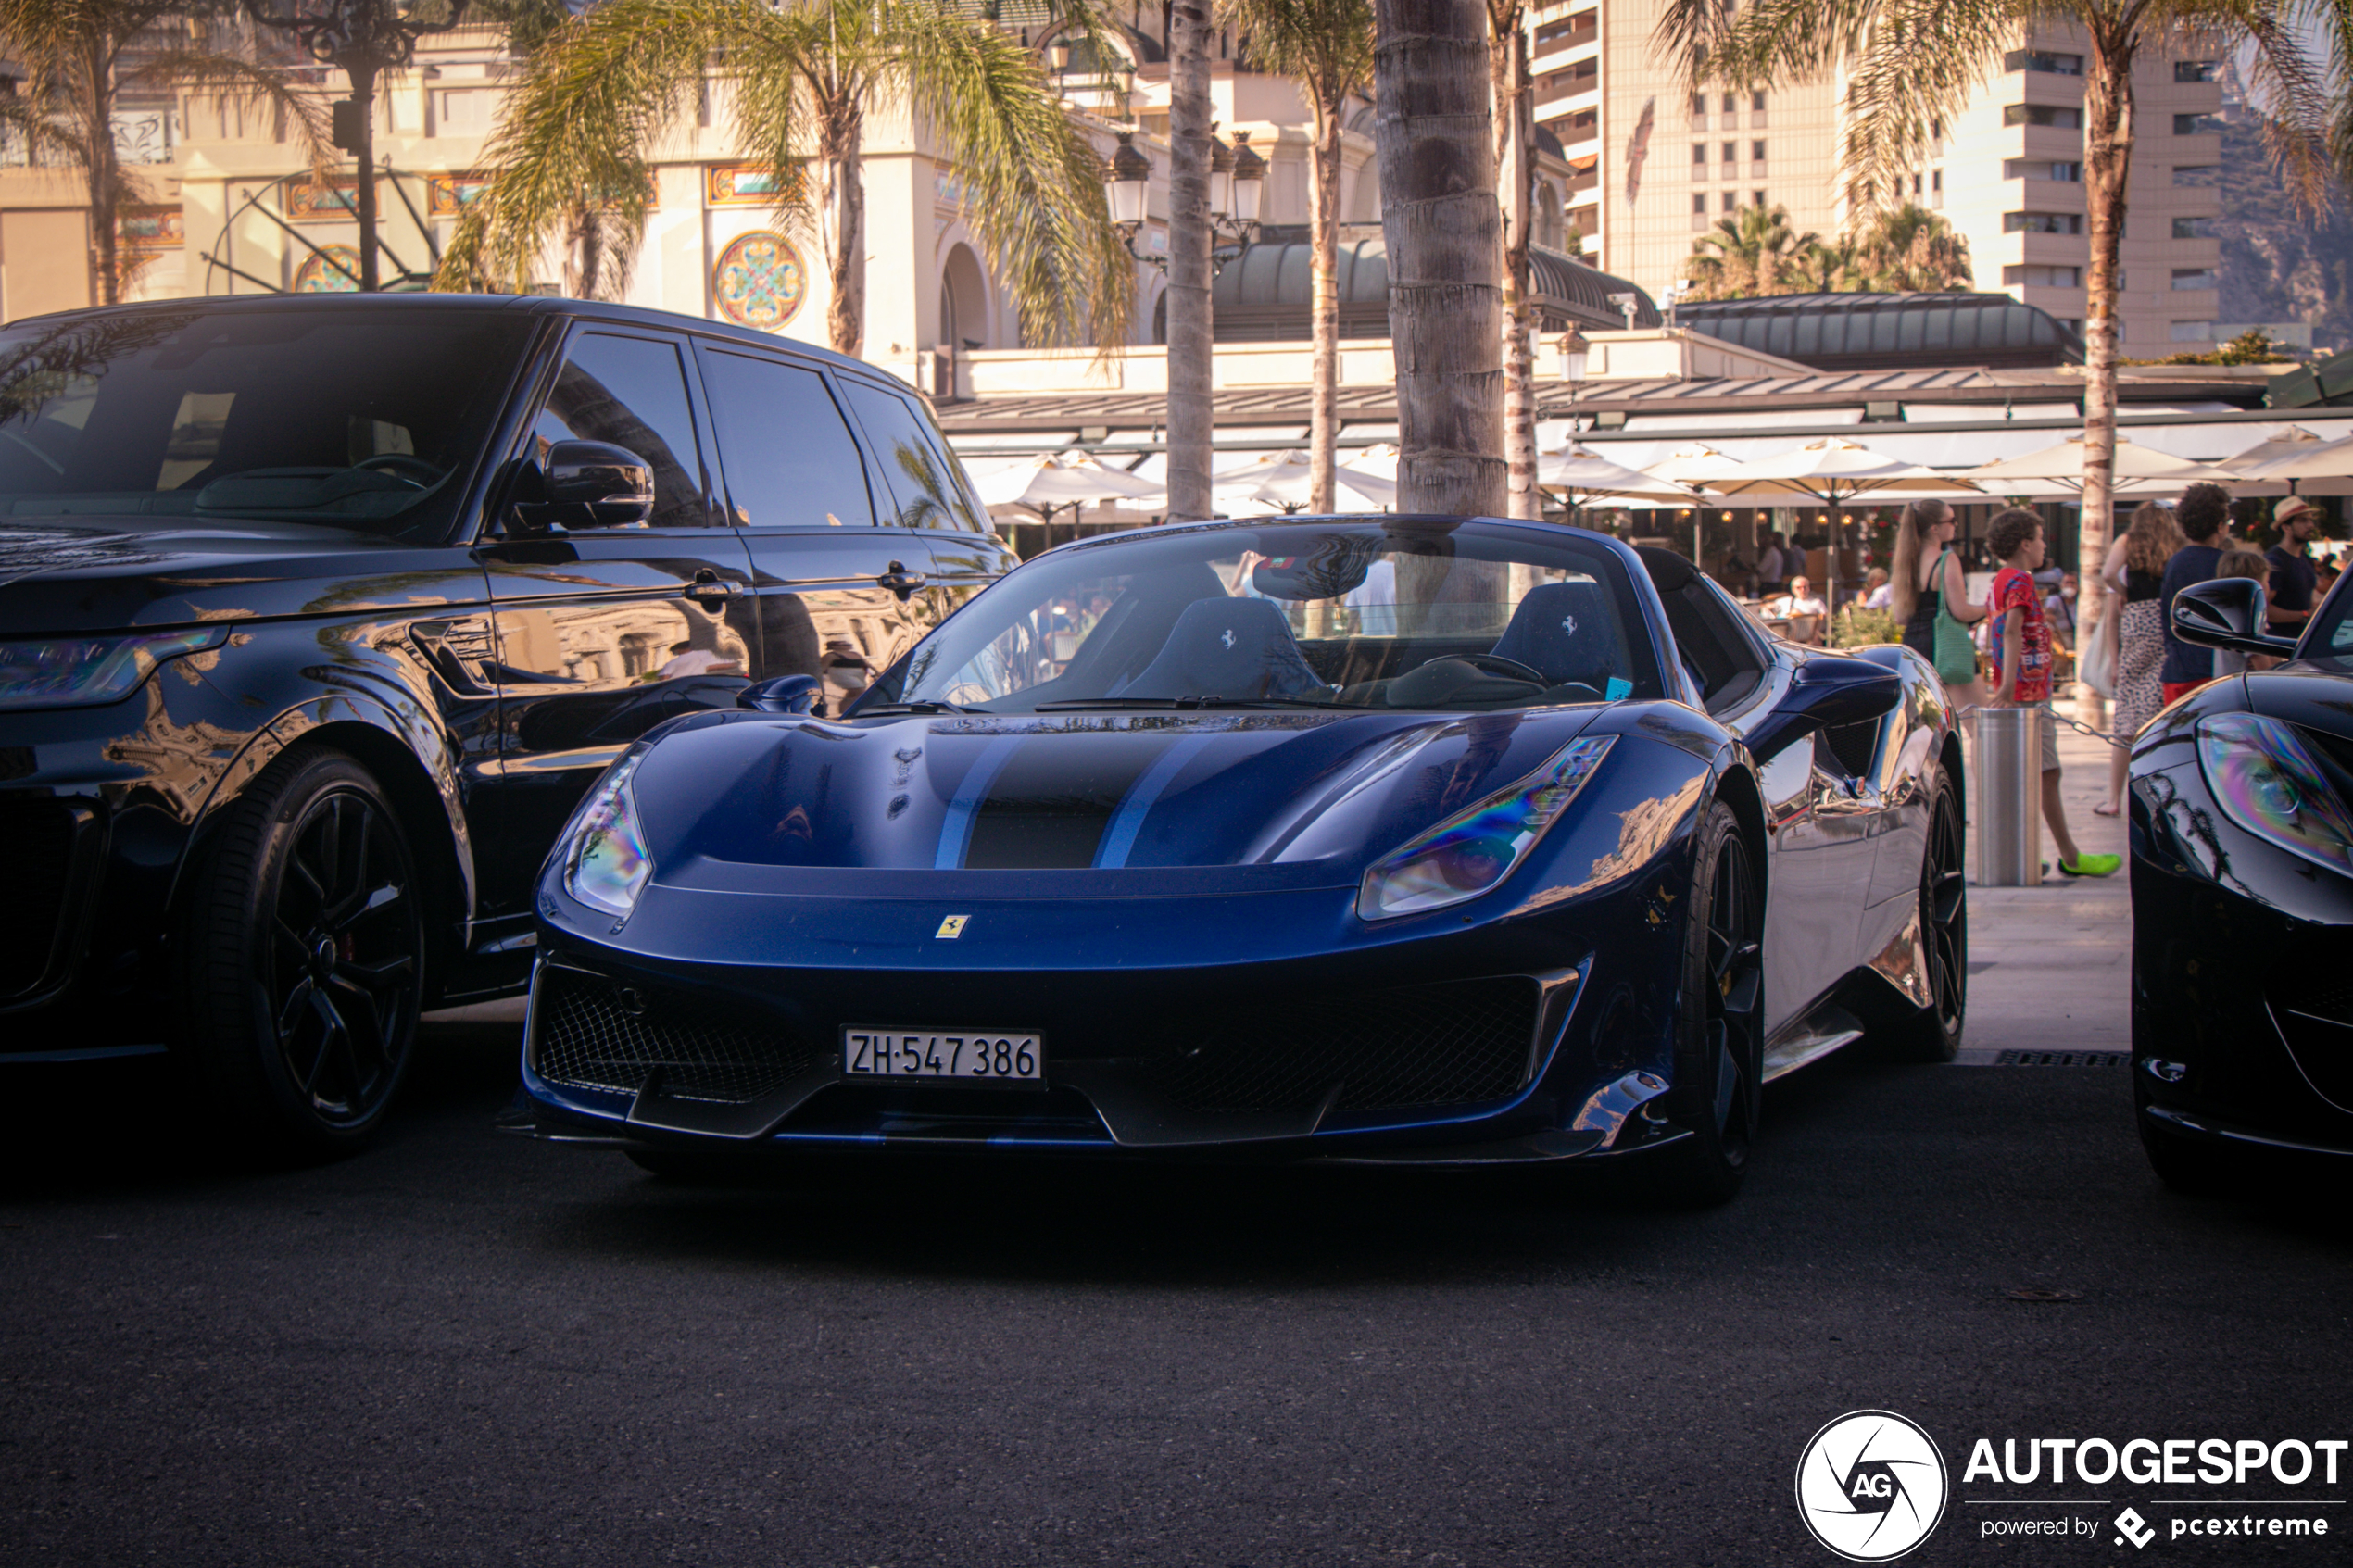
pixel 368 418
pixel 631 392
pixel 930 486
pixel 790 458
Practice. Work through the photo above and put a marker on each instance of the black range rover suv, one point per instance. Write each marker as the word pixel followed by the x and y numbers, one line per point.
pixel 318 616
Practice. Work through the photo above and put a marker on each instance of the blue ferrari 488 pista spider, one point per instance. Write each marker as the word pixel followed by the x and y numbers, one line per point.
pixel 1381 839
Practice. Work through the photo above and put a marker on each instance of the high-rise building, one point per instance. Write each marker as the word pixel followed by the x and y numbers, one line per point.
pixel 1655 165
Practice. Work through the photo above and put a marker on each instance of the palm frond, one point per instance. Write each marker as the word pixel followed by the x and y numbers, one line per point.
pixel 1033 184
pixel 254 86
pixel 1922 58
pixel 597 94
pixel 1326 44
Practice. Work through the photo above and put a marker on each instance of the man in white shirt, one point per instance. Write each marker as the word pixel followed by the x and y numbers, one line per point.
pixel 1800 602
pixel 1769 562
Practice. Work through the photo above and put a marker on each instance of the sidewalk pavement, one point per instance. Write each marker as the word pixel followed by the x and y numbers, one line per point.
pixel 2050 967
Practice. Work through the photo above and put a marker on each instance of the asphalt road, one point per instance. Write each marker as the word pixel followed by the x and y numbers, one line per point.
pixel 462 1348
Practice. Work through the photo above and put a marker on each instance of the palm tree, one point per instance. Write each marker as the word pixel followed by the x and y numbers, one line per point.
pixel 79 56
pixel 1191 343
pixel 1907 62
pixel 1750 252
pixel 1326 47
pixel 1908 250
pixel 1514 91
pixel 599 229
pixel 1828 267
pixel 1440 218
pixel 606 86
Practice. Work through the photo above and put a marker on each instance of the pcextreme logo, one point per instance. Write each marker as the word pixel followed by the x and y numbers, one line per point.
pixel 1871 1486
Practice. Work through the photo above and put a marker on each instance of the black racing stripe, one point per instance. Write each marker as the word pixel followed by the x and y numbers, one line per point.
pixel 1052 800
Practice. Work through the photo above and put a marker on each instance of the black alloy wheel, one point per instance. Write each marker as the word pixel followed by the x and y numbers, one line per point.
pixel 305 957
pixel 1720 1035
pixel 1934 1034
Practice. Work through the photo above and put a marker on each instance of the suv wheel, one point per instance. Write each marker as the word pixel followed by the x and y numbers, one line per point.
pixel 304 955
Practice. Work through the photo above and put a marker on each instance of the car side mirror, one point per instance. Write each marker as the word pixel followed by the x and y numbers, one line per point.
pixel 1827 692
pixel 583 485
pixel 2227 612
pixel 785 694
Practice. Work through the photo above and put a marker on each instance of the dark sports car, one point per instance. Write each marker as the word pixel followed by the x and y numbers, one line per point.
pixel 2242 834
pixel 1384 838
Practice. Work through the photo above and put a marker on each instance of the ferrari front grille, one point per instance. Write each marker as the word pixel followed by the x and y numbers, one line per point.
pixel 1456 1043
pixel 593 1032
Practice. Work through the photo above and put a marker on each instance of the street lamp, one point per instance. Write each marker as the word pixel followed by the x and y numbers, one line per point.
pixel 1237 180
pixel 362 38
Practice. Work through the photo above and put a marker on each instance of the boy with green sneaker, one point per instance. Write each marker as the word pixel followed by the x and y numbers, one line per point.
pixel 2022 643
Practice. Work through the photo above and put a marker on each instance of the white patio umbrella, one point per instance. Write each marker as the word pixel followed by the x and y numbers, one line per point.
pixel 1585 475
pixel 2058 471
pixel 2300 461
pixel 1064 480
pixel 1831 472
pixel 1283 486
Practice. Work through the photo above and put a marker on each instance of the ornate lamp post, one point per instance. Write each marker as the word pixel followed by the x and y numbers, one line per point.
pixel 362 38
pixel 1237 180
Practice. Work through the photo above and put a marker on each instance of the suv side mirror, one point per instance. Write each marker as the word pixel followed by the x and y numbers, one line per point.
pixel 785 694
pixel 583 485
pixel 1826 691
pixel 2226 613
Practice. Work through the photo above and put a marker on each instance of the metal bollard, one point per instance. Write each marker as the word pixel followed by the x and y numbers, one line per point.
pixel 2009 797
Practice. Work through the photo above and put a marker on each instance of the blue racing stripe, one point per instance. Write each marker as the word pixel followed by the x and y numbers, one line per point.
pixel 956 830
pixel 1128 821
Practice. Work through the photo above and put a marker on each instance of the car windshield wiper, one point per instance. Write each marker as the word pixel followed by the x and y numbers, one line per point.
pixel 1187 703
pixel 920 705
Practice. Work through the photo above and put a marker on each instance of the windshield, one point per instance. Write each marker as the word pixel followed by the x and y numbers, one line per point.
pixel 367 419
pixel 1450 617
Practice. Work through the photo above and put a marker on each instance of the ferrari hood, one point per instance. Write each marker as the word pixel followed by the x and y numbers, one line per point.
pixel 1311 794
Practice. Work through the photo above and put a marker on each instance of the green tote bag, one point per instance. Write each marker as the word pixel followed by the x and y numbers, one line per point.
pixel 1955 655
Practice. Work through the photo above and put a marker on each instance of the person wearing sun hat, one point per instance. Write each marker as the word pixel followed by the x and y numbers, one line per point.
pixel 2293 576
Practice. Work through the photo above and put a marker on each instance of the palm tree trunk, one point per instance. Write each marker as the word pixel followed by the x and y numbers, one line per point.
pixel 1515 165
pixel 1191 418
pixel 840 137
pixel 104 173
pixel 2108 163
pixel 585 242
pixel 1440 218
pixel 1323 234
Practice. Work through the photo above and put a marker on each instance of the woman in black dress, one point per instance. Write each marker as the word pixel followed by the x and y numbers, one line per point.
pixel 1927 572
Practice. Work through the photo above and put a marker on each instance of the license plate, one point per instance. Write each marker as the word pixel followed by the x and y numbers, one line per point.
pixel 977 1058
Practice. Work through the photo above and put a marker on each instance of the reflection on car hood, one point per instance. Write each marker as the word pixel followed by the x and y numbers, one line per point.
pixel 72 575
pixel 1310 796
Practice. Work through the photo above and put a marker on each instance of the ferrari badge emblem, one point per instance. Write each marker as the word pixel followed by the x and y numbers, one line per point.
pixel 951 927
pixel 1228 638
pixel 1569 624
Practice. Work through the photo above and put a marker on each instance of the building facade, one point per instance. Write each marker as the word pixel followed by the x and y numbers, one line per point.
pixel 1652 164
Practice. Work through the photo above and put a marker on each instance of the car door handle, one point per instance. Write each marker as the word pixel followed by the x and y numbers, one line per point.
pixel 708 584
pixel 900 581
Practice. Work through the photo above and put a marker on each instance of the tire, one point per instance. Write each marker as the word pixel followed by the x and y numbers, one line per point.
pixel 302 959
pixel 1934 1034
pixel 1719 1035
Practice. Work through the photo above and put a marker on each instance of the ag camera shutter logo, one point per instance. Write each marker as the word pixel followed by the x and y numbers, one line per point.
pixel 1871 1486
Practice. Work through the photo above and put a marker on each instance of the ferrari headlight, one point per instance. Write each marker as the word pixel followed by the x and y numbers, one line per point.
pixel 604 862
pixel 2267 781
pixel 1472 851
pixel 87 672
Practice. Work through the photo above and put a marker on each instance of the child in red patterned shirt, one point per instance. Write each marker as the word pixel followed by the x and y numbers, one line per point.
pixel 2021 645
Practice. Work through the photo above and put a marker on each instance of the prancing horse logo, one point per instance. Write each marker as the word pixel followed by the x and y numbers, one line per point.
pixel 1228 638
pixel 951 927
pixel 1569 624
